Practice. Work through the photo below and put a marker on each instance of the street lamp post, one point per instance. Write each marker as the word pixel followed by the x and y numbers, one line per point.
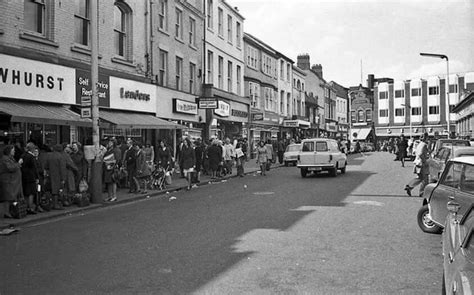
pixel 409 112
pixel 443 56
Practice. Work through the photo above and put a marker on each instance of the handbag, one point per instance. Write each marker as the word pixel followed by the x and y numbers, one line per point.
pixel 46 201
pixel 18 208
pixel 82 199
pixel 168 180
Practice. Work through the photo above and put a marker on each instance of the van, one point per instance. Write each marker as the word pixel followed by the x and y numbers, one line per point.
pixel 321 154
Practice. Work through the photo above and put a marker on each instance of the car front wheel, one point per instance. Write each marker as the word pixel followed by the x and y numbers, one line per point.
pixel 425 222
pixel 286 163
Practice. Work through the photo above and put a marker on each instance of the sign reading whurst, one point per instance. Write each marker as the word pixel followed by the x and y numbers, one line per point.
pixel 183 106
pixel 84 87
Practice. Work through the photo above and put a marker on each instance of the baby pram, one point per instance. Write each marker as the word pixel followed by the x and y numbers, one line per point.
pixel 158 177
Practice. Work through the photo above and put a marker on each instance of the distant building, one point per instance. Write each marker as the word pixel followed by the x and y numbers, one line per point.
pixel 342 110
pixel 465 116
pixel 361 109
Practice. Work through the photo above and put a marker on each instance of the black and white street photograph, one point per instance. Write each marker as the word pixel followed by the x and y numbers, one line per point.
pixel 236 147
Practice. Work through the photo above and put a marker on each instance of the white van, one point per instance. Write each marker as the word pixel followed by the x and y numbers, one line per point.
pixel 321 154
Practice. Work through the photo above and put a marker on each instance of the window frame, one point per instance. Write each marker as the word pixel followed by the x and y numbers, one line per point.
pixel 230 26
pixel 238 32
pixel 39 7
pixel 433 90
pixel 229 75
pixel 178 32
pixel 163 15
pixel 210 14
pixel 85 24
pixel 192 31
pixel 210 67
pixel 220 72
pixel 435 108
pixel 220 22
pixel 192 77
pixel 383 113
pixel 238 79
pixel 399 93
pixel 179 73
pixel 163 68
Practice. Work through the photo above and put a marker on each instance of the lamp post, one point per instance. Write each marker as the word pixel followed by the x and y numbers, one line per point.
pixel 443 56
pixel 409 108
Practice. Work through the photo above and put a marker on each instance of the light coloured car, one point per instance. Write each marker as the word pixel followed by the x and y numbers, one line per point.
pixel 438 160
pixel 321 154
pixel 291 154
pixel 456 184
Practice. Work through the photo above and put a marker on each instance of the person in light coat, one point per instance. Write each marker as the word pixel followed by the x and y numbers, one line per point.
pixel 262 157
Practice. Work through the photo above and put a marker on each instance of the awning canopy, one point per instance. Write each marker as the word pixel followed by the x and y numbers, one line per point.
pixel 136 121
pixel 42 114
pixel 362 133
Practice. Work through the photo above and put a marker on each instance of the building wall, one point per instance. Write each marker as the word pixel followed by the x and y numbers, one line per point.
pixel 285 84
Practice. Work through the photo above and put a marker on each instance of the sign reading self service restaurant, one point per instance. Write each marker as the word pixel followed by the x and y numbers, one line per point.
pixel 84 87
pixel 34 80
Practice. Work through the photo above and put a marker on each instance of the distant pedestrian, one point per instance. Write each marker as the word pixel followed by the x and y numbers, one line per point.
pixel 188 160
pixel 130 162
pixel 10 180
pixel 30 177
pixel 402 149
pixel 111 165
pixel 229 154
pixel 239 158
pixel 421 168
pixel 280 150
pixel 56 173
pixel 262 157
pixel 143 170
pixel 214 154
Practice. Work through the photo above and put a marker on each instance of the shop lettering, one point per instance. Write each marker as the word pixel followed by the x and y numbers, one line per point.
pixel 17 77
pixel 137 95
pixel 237 113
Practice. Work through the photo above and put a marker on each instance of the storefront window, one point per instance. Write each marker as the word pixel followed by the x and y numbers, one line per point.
pixel 50 135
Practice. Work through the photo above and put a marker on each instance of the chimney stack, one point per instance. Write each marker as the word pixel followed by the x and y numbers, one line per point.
pixel 318 69
pixel 370 81
pixel 303 61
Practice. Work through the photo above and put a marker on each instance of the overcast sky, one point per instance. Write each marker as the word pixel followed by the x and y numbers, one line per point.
pixel 387 36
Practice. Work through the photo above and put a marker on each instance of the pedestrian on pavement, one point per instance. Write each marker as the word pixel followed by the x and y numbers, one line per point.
pixel 56 173
pixel 143 170
pixel 71 174
pixel 10 180
pixel 270 154
pixel 130 162
pixel 149 152
pixel 30 177
pixel 214 153
pixel 421 168
pixel 80 161
pixel 111 165
pixel 188 160
pixel 239 158
pixel 229 154
pixel 280 150
pixel 402 149
pixel 163 155
pixel 262 157
pixel 199 153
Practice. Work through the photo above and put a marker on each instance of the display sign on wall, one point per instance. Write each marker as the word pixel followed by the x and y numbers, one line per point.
pixel 132 95
pixel 257 116
pixel 183 106
pixel 223 109
pixel 33 80
pixel 207 102
pixel 84 87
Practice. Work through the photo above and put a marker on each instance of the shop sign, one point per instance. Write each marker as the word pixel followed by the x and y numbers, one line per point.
pixel 86 112
pixel 223 109
pixel 290 123
pixel 33 80
pixel 84 87
pixel 186 107
pixel 86 101
pixel 207 102
pixel 257 116
pixel 132 95
pixel 237 113
pixel 331 127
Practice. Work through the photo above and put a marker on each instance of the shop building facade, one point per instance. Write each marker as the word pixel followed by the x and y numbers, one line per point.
pixel 465 116
pixel 361 110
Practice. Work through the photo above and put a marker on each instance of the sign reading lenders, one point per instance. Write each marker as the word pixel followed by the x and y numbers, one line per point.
pixel 33 80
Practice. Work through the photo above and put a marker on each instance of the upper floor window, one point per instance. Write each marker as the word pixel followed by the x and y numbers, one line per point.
pixel 288 72
pixel 252 57
pixel 368 115
pixel 192 77
pixel 178 33
pixel 220 22
pixel 433 90
pixel 254 90
pixel 416 111
pixel 229 29
pixel 433 110
pixel 238 30
pixel 268 65
pixel 353 116
pixel 399 93
pixel 179 73
pixel 122 16
pixel 399 112
pixel 82 22
pixel 192 31
pixel 229 76
pixel 210 66
pixel 239 79
pixel 453 88
pixel 209 14
pixel 360 116
pixel 163 68
pixel 282 69
pixel 35 16
pixel 416 92
pixel 163 15
pixel 220 72
pixel 383 113
pixel 383 95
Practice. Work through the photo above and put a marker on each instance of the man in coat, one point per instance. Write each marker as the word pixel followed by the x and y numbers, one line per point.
pixel 421 167
pixel 56 172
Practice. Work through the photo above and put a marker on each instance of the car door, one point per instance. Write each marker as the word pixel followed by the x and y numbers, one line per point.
pixel 444 191
pixel 464 196
pixel 322 154
pixel 436 163
pixel 307 153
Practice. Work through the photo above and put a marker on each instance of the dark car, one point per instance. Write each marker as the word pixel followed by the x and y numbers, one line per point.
pixel 458 251
pixel 439 160
pixel 455 184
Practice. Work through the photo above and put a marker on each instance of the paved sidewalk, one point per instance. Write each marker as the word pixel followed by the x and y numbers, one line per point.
pixel 123 196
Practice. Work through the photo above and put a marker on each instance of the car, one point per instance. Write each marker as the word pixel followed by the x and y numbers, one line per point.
pixel 458 251
pixel 291 154
pixel 438 161
pixel 456 183
pixel 321 154
pixel 448 142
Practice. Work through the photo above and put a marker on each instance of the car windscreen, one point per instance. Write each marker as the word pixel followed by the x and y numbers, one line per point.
pixel 292 148
pixel 456 143
pixel 321 146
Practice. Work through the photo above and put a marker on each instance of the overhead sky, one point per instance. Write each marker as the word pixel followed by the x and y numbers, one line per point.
pixel 379 37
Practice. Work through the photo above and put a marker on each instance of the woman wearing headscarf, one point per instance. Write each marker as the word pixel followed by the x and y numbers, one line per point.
pixel 188 160
pixel 262 157
pixel 10 179
pixel 30 176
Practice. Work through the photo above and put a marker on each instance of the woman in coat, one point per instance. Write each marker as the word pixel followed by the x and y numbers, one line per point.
pixel 71 173
pixel 56 173
pixel 188 160
pixel 143 170
pixel 214 154
pixel 262 157
pixel 30 177
pixel 112 158
pixel 10 179
pixel 163 155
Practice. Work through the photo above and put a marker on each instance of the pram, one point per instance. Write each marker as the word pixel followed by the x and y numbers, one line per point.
pixel 158 178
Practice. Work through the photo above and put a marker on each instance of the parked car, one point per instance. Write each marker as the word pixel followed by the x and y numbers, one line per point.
pixel 458 251
pixel 438 161
pixel 456 183
pixel 449 142
pixel 321 154
pixel 291 154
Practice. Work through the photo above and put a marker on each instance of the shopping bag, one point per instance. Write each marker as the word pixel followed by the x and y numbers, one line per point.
pixel 83 186
pixel 168 180
pixel 18 208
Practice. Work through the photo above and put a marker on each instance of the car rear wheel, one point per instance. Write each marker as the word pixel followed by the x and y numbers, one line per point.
pixel 303 172
pixel 425 222
pixel 343 170
pixel 286 163
pixel 333 172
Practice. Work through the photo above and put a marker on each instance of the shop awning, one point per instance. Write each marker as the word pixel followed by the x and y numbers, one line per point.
pixel 362 133
pixel 42 114
pixel 136 120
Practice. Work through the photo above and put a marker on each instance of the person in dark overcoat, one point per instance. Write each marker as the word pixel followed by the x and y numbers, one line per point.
pixel 71 174
pixel 199 152
pixel 188 160
pixel 10 180
pixel 80 161
pixel 130 162
pixel 143 170
pixel 30 176
pixel 164 156
pixel 214 153
pixel 56 172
